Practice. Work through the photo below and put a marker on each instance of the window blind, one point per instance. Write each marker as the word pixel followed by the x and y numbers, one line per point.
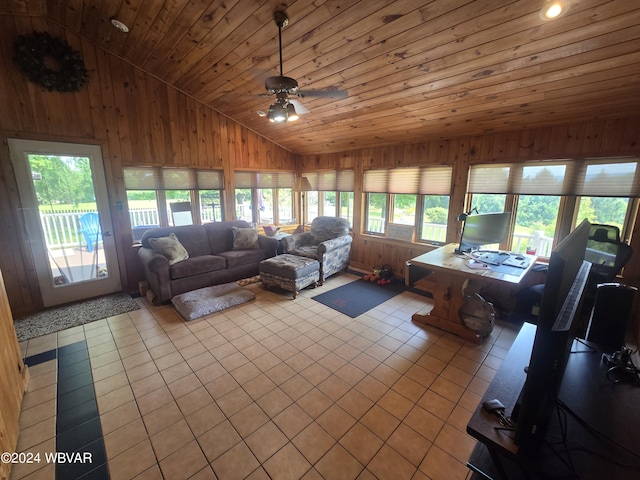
pixel 548 178
pixel 264 179
pixel 165 178
pixel 332 180
pixel 422 180
pixel 609 178
pixel 604 177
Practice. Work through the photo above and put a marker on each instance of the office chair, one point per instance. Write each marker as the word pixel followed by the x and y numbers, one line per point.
pixel 90 229
pixel 607 253
pixel 608 256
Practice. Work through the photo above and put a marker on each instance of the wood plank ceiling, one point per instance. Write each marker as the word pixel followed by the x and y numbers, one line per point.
pixel 414 70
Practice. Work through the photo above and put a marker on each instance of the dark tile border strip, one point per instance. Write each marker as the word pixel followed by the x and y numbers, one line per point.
pixel 79 440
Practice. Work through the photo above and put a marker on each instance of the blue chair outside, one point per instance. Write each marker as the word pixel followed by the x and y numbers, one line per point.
pixel 90 230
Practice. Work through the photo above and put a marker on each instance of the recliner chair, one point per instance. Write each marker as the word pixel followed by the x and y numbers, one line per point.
pixel 328 241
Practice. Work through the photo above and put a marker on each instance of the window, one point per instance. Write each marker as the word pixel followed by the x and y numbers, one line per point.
pixel 332 194
pixel 264 198
pixel 600 190
pixel 196 196
pixel 416 196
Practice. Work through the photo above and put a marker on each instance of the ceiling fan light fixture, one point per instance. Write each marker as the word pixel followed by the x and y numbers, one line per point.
pixel 277 112
pixel 553 9
pixel 292 116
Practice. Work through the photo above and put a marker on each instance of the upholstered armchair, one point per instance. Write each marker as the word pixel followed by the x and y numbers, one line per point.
pixel 328 241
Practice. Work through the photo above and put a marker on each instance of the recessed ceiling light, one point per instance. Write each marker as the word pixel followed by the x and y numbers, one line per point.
pixel 553 9
pixel 119 25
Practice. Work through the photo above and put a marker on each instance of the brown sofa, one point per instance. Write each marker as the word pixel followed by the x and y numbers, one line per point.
pixel 212 259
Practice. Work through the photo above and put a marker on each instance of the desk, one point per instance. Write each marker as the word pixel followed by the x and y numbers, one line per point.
pixel 611 409
pixel 451 272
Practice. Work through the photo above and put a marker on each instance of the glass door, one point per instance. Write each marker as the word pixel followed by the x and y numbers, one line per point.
pixel 63 192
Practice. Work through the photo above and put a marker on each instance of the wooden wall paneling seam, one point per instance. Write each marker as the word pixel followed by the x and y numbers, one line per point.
pixel 95 119
pixel 117 80
pixel 192 107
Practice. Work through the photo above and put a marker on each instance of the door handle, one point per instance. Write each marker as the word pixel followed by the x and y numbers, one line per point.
pixel 107 234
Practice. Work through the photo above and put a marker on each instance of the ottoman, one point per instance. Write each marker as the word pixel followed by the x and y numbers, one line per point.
pixel 289 272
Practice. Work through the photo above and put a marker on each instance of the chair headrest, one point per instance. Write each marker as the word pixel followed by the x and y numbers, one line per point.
pixel 600 235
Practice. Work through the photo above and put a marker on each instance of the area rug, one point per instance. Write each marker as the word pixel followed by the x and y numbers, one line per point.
pixel 359 296
pixel 208 300
pixel 74 314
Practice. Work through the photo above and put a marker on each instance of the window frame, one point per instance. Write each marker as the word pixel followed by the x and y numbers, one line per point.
pixel 161 179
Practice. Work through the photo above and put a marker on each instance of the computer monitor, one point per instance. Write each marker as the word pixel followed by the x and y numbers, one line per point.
pixel 556 327
pixel 484 229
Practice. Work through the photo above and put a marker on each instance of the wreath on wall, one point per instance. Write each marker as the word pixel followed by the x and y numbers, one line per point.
pixel 50 62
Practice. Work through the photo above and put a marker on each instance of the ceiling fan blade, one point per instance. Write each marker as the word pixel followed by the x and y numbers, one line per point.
pixel 327 93
pixel 300 108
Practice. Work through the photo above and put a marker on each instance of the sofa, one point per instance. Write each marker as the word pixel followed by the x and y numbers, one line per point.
pixel 328 241
pixel 184 258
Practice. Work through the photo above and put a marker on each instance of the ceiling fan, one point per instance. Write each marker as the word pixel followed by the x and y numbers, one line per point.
pixel 282 87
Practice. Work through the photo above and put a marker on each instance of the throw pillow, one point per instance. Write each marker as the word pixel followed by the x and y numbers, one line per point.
pixel 244 238
pixel 170 247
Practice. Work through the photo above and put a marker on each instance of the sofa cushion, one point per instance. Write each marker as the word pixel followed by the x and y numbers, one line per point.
pixel 170 247
pixel 244 238
pixel 236 258
pixel 197 265
pixel 193 237
pixel 220 236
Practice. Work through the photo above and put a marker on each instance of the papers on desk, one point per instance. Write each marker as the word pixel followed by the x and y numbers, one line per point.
pixel 474 264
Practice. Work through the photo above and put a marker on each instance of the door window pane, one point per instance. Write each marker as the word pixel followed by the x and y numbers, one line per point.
pixel 243 204
pixel 604 210
pixel 376 212
pixel 143 211
pixel 346 206
pixel 488 202
pixel 285 210
pixel 210 206
pixel 434 221
pixel 404 209
pixel 180 212
pixel 535 223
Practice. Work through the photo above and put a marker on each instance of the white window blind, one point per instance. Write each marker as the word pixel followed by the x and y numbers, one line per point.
pixel 331 180
pixel 166 178
pixel 264 179
pixel 422 180
pixel 609 178
pixel 605 177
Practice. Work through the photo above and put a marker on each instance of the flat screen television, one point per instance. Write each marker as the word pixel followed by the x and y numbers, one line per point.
pixel 484 229
pixel 556 327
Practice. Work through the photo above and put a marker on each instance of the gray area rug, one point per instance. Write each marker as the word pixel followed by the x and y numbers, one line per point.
pixel 208 300
pixel 60 318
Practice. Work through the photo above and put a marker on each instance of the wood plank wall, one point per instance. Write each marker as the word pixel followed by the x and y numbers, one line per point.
pixel 13 381
pixel 134 117
pixel 619 137
pixel 139 120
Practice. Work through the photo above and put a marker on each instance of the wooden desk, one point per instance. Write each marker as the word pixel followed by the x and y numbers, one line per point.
pixel 606 407
pixel 451 272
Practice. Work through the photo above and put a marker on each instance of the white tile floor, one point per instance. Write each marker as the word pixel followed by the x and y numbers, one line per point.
pixel 276 388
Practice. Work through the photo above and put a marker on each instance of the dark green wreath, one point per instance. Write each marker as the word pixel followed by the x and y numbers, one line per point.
pixel 36 53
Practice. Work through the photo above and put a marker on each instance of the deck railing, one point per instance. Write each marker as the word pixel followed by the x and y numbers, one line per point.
pixel 62 229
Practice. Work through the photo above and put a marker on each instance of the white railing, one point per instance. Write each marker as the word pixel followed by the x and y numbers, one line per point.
pixel 62 229
pixel 437 232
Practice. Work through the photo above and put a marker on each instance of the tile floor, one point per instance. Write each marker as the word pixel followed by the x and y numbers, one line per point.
pixel 276 388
